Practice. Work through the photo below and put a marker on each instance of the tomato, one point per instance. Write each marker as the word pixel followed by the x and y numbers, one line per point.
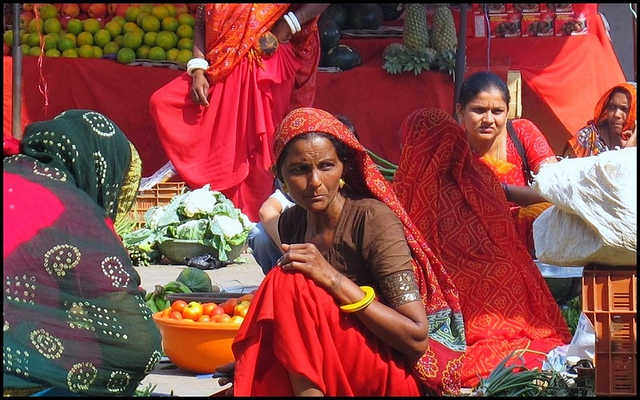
pixel 222 318
pixel 208 307
pixel 176 315
pixel 166 312
pixel 229 305
pixel 241 308
pixel 204 318
pixel 246 297
pixel 237 319
pixel 192 311
pixel 217 310
pixel 178 305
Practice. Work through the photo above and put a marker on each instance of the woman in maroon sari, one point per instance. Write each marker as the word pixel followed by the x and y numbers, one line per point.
pixel 358 305
pixel 460 207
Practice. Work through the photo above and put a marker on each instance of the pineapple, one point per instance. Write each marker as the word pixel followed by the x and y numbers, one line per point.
pixel 416 32
pixel 443 29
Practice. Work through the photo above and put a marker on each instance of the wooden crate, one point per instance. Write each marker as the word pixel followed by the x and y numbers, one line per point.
pixel 159 195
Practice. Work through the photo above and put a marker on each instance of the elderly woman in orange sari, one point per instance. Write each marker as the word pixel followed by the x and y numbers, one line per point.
pixel 252 63
pixel 614 124
pixel 460 207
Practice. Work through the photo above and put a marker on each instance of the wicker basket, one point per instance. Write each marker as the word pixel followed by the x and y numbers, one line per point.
pixel 159 195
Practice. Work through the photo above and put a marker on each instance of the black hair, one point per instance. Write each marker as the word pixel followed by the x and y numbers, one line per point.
pixel 482 82
pixel 347 122
pixel 345 153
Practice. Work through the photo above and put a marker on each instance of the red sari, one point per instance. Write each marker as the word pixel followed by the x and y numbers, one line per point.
pixel 229 143
pixel 460 207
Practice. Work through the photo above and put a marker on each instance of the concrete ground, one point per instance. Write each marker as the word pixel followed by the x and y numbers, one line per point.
pixel 242 276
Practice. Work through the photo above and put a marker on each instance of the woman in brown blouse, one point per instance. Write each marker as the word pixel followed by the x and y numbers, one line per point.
pixel 358 305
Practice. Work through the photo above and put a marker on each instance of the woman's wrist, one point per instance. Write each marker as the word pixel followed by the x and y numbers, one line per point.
pixel 506 190
pixel 196 64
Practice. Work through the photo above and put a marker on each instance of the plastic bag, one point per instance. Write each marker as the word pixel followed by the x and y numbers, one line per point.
pixel 583 344
pixel 593 219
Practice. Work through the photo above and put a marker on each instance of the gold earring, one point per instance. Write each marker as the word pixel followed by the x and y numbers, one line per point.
pixel 341 183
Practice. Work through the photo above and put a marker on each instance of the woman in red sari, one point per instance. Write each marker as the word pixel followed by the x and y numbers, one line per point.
pixel 358 305
pixel 216 121
pixel 460 207
pixel 483 109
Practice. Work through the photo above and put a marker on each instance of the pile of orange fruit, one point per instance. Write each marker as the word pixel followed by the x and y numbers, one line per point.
pixel 151 31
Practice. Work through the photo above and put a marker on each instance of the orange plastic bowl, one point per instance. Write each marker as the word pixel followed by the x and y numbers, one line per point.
pixel 198 347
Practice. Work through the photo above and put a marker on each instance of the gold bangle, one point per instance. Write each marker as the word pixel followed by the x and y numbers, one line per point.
pixel 369 295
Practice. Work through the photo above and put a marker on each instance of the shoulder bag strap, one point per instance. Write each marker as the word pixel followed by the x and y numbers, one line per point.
pixel 523 155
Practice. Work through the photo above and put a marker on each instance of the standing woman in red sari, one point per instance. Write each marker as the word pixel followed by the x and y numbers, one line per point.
pixel 252 63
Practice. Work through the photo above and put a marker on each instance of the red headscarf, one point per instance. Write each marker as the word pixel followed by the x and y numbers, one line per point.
pixel 439 368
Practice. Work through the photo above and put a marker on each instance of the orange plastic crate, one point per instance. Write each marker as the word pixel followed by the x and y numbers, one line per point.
pixel 159 195
pixel 609 296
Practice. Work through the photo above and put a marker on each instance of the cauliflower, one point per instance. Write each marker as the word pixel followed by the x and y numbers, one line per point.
pixel 198 202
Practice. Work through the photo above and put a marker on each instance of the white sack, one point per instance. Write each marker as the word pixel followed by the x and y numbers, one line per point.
pixel 593 218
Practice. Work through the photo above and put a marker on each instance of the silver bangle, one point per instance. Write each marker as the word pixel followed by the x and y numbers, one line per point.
pixel 295 21
pixel 195 64
pixel 290 23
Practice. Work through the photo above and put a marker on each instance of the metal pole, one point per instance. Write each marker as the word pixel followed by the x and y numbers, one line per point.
pixel 16 54
pixel 461 52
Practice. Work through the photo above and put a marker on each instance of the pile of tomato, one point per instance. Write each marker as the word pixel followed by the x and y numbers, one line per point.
pixel 231 310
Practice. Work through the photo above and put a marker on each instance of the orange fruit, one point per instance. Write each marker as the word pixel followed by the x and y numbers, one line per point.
pixel 110 48
pixel 73 53
pixel 53 53
pixel 119 19
pixel 91 25
pixel 185 31
pixel 129 27
pixel 170 24
pixel 65 43
pixel 132 40
pixel 114 28
pixel 119 40
pixel 160 11
pixel 36 25
pixel 34 39
pixel 157 53
pixel 184 56
pixel 85 51
pixel 125 55
pixel 48 11
pixel 149 38
pixel 185 44
pixel 74 26
pixel 34 51
pixel 141 17
pixel 24 38
pixel 131 13
pixel 97 52
pixel 72 37
pixel 50 42
pixel 24 48
pixel 101 38
pixel 84 38
pixel 187 19
pixel 143 51
pixel 7 37
pixel 146 7
pixel 52 25
pixel 172 54
pixel 172 9
pixel 150 24
pixel 165 39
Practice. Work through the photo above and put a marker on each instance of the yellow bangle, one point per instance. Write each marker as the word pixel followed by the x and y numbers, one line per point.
pixel 369 295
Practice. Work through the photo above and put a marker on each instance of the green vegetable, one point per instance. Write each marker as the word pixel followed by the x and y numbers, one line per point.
pixel 196 279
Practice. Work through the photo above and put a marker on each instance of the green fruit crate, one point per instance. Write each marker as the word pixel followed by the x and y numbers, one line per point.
pixel 609 300
pixel 159 195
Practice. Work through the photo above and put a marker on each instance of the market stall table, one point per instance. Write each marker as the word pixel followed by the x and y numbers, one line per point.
pixel 562 79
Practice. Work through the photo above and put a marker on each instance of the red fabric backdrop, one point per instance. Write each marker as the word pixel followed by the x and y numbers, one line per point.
pixel 562 79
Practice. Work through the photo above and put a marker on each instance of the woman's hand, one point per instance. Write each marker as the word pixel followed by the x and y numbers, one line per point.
pixel 632 141
pixel 281 31
pixel 199 88
pixel 307 259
